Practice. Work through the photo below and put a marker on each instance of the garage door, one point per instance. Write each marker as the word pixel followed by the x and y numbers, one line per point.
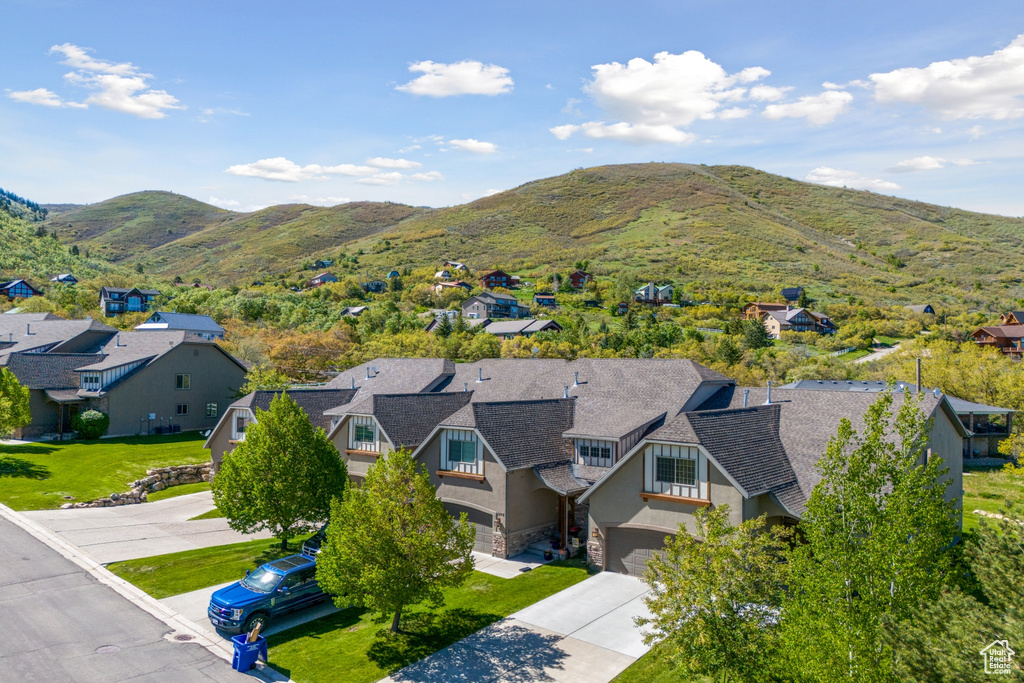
pixel 629 549
pixel 480 520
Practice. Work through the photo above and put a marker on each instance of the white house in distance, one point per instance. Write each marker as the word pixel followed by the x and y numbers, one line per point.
pixel 202 325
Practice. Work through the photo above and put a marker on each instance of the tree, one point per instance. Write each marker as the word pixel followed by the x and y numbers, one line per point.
pixel 14 405
pixel 138 268
pixel 74 250
pixel 878 534
pixel 715 597
pixel 755 335
pixel 802 301
pixel 391 543
pixel 444 327
pixel 263 377
pixel 281 477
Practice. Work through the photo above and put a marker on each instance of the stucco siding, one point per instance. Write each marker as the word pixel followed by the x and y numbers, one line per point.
pixel 946 443
pixel 530 503
pixel 488 495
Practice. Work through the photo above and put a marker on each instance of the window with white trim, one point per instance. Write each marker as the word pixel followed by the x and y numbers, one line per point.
pixel 675 470
pixel 181 409
pixel 183 381
pixel 362 434
pixel 211 410
pixel 239 424
pixel 595 453
pixel 91 381
pixel 461 451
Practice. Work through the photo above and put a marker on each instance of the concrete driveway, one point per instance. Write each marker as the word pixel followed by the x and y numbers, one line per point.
pixel 584 634
pixel 129 532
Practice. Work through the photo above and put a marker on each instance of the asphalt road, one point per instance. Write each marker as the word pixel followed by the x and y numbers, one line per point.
pixel 58 623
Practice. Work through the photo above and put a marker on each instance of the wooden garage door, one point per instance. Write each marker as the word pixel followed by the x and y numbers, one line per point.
pixel 480 520
pixel 629 549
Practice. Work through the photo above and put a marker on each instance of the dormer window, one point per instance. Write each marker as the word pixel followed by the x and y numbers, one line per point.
pixel 362 434
pixel 595 453
pixel 680 471
pixel 461 451
pixel 91 381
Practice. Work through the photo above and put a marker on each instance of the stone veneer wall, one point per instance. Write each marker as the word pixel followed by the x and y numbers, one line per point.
pixel 595 552
pixel 155 480
pixel 521 540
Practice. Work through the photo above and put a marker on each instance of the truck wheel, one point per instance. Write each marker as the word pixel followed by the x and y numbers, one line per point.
pixel 260 618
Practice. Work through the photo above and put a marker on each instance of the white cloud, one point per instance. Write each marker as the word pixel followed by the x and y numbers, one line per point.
pixel 824 175
pixel 767 93
pixel 964 162
pixel 571 108
pixel 390 178
pixel 410 148
pixel 829 85
pixel 461 78
pixel 975 132
pixel 639 133
pixel 429 176
pixel 563 132
pixel 280 168
pixel 319 201
pixel 474 146
pixel 384 162
pixel 733 113
pixel 44 98
pixel 224 203
pixel 924 163
pixel 970 88
pixel 817 109
pixel 118 86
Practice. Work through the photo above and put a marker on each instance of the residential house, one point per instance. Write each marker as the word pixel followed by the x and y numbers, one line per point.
pixel 1012 318
pixel 322 279
pixel 923 308
pixel 142 380
pixel 118 300
pixel 622 308
pixel 353 311
pixel 442 286
pixel 578 279
pixel 65 279
pixel 495 278
pixel 758 310
pixel 494 305
pixel 985 425
pixel 592 303
pixel 754 450
pixel 654 294
pixel 545 300
pixel 792 294
pixel 201 325
pixel 797 320
pixel 455 265
pixel 322 263
pixel 45 333
pixel 513 281
pixel 510 329
pixel 393 274
pixel 443 274
pixel 18 289
pixel 1007 338
pixel 375 286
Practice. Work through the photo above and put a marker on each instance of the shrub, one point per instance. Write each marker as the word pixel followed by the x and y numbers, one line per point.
pixel 92 424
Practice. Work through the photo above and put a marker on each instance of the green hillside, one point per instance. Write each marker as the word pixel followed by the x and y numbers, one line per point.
pixel 728 226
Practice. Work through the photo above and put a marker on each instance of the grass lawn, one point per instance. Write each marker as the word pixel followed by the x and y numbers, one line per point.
pixel 37 476
pixel 165 575
pixel 986 489
pixel 854 355
pixel 212 514
pixel 353 647
pixel 654 667
pixel 181 490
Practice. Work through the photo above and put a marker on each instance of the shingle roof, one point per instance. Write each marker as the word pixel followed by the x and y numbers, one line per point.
pixel 313 401
pixel 408 419
pixel 186 321
pixel 791 293
pixel 918 308
pixel 526 433
pixel 392 376
pixel 521 326
pixel 560 478
pixel 1004 331
pixel 31 317
pixel 47 370
pixel 30 334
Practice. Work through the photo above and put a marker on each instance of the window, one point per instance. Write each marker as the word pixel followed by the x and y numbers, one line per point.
pixel 211 410
pixel 364 433
pixel 91 382
pixel 182 409
pixel 182 381
pixel 241 420
pixel 594 453
pixel 676 471
pixel 461 451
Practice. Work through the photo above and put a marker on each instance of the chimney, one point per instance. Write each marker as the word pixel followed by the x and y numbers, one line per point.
pixel 918 375
pixel 479 374
pixel 746 397
pixel 768 400
pixel 577 375
pixel 566 392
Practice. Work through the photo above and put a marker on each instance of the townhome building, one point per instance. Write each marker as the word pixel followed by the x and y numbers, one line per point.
pixel 494 305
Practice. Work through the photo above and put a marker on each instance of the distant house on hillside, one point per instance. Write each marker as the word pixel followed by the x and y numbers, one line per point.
pixel 375 286
pixel 792 294
pixel 194 285
pixel 544 300
pixel 797 320
pixel 118 300
pixel 1007 338
pixel 65 279
pixel 757 310
pixel 454 265
pixel 322 279
pixel 322 263
pixel 457 284
pixel 654 294
pixel 18 289
pixel 353 311
pixel 1012 318
pixel 393 274
pixel 495 278
pixel 443 274
pixel 492 305
pixel 922 308
pixel 578 279
pixel 510 329
pixel 201 325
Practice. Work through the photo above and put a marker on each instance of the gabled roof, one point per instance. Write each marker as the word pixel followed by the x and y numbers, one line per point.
pixel 392 376
pixel 125 290
pixel 1003 331
pixel 763 306
pixel 185 321
pixel 407 419
pixel 495 296
pixel 791 293
pixel 12 283
pixel 27 332
pixel 313 401
pixel 522 433
pixel 521 326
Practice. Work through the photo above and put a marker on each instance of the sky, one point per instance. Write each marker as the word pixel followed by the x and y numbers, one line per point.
pixel 249 104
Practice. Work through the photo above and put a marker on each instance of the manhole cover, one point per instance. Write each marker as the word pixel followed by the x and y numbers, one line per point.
pixel 184 637
pixel 107 649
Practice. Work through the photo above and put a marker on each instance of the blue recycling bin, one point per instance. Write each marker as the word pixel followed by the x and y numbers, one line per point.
pixel 246 654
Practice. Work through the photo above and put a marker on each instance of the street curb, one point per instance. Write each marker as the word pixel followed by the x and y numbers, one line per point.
pixel 135 595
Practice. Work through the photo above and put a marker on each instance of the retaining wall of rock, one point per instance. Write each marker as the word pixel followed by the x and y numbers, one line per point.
pixel 156 479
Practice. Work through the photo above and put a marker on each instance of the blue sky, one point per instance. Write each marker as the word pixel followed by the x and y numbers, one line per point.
pixel 247 104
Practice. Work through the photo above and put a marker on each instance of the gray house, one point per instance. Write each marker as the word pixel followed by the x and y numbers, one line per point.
pixel 494 305
pixel 201 325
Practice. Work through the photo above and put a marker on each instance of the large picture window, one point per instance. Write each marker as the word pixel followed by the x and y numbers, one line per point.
pixel 462 451
pixel 677 471
pixel 364 433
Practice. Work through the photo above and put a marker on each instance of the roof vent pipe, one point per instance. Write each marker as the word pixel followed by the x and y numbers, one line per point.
pixel 577 375
pixel 28 329
pixel 768 400
pixel 353 382
pixel 746 397
pixel 566 392
pixel 936 392
pixel 918 375
pixel 479 374
pixel 367 373
pixel 465 386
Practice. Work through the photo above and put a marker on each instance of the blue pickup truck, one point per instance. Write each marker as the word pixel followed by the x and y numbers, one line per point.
pixel 277 587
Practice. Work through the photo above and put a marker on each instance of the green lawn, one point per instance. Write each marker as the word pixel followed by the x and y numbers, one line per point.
pixel 854 355
pixel 165 575
pixel 353 647
pixel 986 489
pixel 45 475
pixel 212 514
pixel 181 490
